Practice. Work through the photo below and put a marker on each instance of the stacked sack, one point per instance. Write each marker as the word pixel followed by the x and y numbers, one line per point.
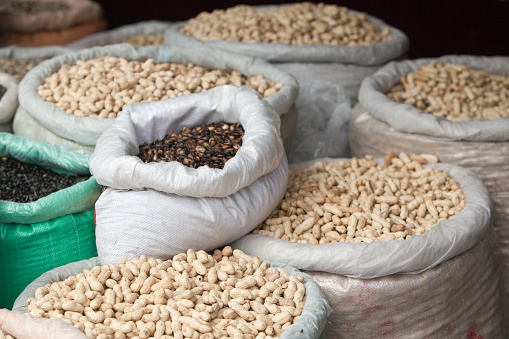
pixel 45 227
pixel 82 130
pixel 161 209
pixel 380 124
pixel 48 22
pixel 329 49
pixel 384 271
pixel 15 62
pixel 145 33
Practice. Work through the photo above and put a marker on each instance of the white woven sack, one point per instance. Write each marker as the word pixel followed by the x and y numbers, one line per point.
pixel 79 12
pixel 409 119
pixel 308 326
pixel 86 130
pixel 161 209
pixel 369 260
pixel 488 159
pixel 23 125
pixel 18 52
pixel 121 34
pixel 9 100
pixel 460 298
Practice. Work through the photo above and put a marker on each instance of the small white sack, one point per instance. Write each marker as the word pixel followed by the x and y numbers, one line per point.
pixel 121 34
pixel 381 258
pixel 114 162
pixel 407 118
pixel 9 100
pixel 162 209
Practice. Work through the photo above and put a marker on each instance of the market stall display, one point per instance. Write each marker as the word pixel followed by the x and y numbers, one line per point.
pixel 40 233
pixel 380 124
pixel 371 254
pixel 85 130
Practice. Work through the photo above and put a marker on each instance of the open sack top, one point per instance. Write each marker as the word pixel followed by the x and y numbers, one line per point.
pixel 373 54
pixel 9 100
pixel 60 159
pixel 407 118
pixel 85 130
pixel 381 258
pixel 309 325
pixel 114 162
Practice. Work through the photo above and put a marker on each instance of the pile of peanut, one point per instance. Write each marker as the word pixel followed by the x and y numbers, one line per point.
pixel 362 201
pixel 454 92
pixel 100 88
pixel 194 295
pixel 301 23
pixel 146 40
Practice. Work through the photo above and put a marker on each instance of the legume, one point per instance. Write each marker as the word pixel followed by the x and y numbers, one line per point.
pixel 194 295
pixel 301 23
pixel 361 201
pixel 454 92
pixel 146 40
pixel 206 145
pixel 32 7
pixel 23 183
pixel 99 88
pixel 18 68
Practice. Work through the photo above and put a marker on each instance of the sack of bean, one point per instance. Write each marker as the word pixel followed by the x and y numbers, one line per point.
pixel 192 294
pixel 78 95
pixel 46 210
pixel 46 15
pixel 8 101
pixel 145 33
pixel 456 107
pixel 323 45
pixel 381 239
pixel 196 171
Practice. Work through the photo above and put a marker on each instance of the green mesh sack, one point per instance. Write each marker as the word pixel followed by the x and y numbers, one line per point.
pixel 52 231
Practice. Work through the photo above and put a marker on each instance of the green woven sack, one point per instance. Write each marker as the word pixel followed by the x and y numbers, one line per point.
pixel 52 231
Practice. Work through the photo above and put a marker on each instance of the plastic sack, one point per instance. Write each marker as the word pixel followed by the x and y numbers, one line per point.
pixel 309 325
pixel 161 209
pixel 488 159
pixel 323 115
pixel 409 119
pixel 51 231
pixel 79 12
pixel 86 130
pixel 461 298
pixel 23 125
pixel 121 34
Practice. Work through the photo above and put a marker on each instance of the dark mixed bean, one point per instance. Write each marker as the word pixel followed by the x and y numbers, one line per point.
pixel 18 67
pixel 31 7
pixel 21 182
pixel 2 91
pixel 206 145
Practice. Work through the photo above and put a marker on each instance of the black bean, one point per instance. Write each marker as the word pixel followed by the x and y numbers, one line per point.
pixel 205 145
pixel 23 183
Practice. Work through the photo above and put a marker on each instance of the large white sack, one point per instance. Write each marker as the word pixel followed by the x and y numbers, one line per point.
pixel 488 159
pixel 114 162
pixel 448 238
pixel 460 298
pixel 85 130
pixel 308 326
pixel 9 100
pixel 121 34
pixel 23 125
pixel 409 119
pixel 161 209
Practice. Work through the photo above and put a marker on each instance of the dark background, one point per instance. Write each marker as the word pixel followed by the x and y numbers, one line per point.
pixel 434 27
